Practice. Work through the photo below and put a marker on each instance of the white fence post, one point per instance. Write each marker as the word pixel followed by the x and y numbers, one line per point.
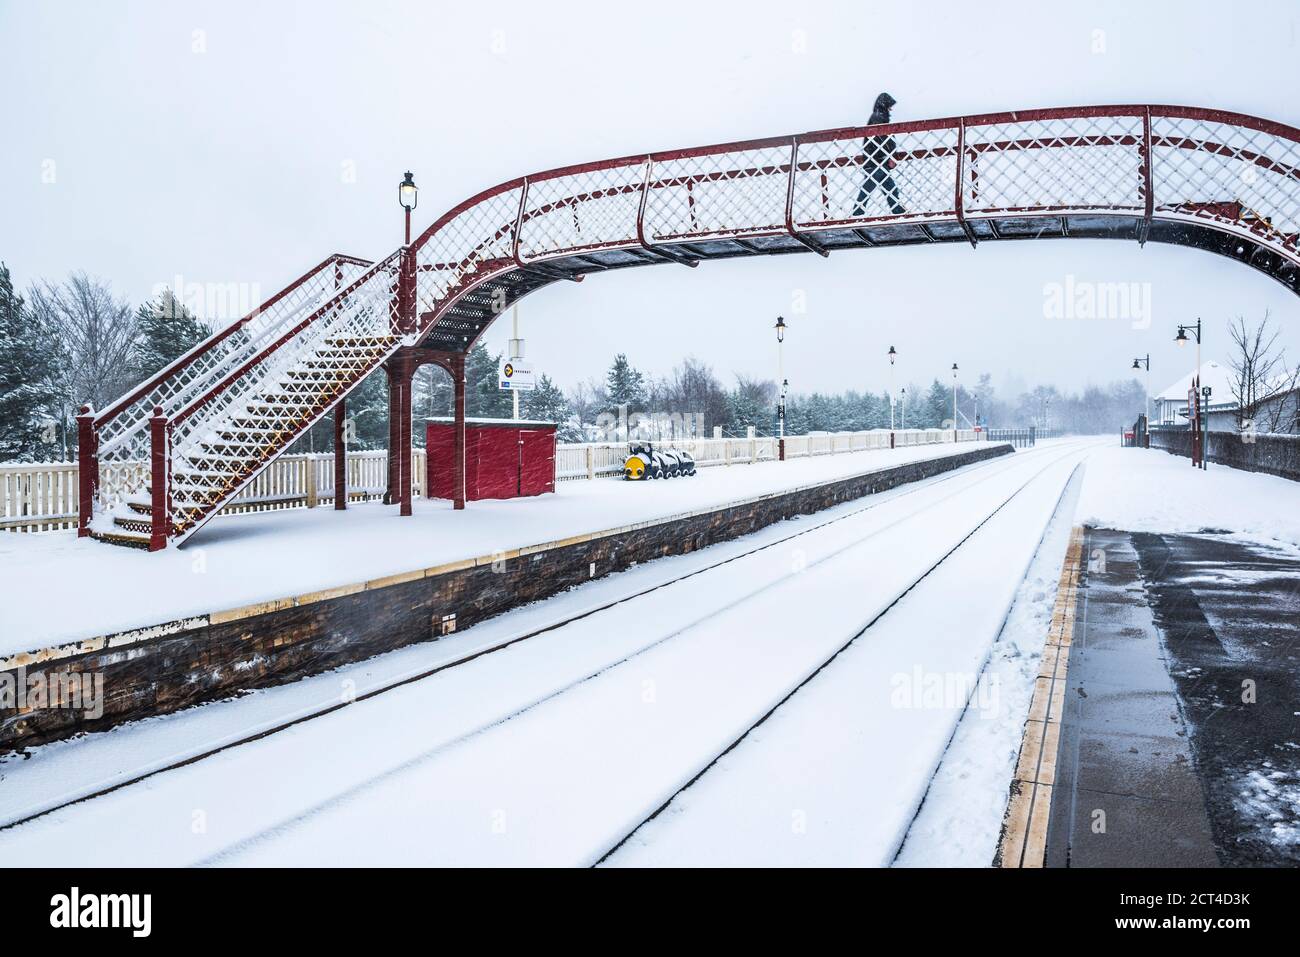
pixel 309 479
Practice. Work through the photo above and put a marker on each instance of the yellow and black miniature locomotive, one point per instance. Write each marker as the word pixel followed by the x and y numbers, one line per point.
pixel 644 461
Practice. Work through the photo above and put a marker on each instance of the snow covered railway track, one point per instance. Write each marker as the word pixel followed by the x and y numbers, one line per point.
pixel 745 735
pixel 33 809
pixel 969 478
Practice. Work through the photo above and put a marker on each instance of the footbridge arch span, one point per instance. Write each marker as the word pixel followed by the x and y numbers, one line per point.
pixel 168 456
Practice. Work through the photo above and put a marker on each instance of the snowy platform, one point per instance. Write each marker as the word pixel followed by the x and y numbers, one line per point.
pixel 56 588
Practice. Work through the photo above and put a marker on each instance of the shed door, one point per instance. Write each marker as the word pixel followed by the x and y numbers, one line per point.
pixel 536 461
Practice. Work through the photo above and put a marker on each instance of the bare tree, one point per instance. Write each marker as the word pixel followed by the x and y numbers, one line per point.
pixel 1257 364
pixel 94 335
pixel 587 399
pixel 1281 410
pixel 693 389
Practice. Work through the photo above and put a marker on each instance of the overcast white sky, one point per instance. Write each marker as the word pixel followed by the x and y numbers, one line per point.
pixel 221 156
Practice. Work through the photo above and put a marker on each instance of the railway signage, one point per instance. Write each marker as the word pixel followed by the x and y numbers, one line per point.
pixel 516 375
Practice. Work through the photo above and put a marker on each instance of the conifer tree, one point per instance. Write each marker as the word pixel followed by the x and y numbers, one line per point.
pixel 167 330
pixel 29 403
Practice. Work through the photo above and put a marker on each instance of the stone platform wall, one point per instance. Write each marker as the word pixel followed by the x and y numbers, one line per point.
pixel 163 668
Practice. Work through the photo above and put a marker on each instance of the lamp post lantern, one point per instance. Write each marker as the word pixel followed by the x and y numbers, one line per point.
pixel 954 402
pixel 408 196
pixel 785 385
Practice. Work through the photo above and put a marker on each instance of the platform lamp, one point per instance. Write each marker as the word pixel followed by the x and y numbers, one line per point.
pixel 408 195
pixel 893 354
pixel 785 385
pixel 954 402
pixel 1182 340
pixel 1138 364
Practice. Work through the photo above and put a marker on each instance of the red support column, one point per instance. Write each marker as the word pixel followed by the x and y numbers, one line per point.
pixel 394 414
pixel 340 457
pixel 87 469
pixel 160 519
pixel 458 483
pixel 404 437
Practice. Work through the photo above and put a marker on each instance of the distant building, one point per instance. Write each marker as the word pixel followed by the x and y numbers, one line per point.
pixel 1169 408
pixel 1277 413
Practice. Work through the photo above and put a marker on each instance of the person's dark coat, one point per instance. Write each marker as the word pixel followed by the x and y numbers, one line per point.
pixel 877 160
pixel 879 150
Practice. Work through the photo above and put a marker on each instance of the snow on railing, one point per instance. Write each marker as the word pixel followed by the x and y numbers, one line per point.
pixel 119 435
pixel 1238 173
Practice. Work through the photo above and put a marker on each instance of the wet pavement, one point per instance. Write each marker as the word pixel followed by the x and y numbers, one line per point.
pixel 1180 740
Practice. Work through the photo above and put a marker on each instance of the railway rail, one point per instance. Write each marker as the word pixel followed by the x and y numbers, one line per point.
pixel 985 472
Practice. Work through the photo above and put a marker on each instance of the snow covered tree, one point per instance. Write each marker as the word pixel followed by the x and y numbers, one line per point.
pixel 751 402
pixel 548 403
pixel 167 330
pixel 624 385
pixel 984 397
pixel 483 396
pixel 29 402
pixel 433 395
pixel 937 409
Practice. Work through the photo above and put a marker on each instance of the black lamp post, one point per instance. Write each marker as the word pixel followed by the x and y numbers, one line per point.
pixel 780 372
pixel 408 195
pixel 1198 439
pixel 954 402
pixel 1138 364
pixel 893 354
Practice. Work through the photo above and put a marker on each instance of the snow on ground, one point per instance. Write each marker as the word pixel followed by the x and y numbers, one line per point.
pixel 834 777
pixel 960 821
pixel 550 750
pixel 1148 490
pixel 64 770
pixel 84 588
pixel 1268 801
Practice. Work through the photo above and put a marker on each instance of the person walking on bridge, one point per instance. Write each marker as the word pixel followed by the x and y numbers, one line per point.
pixel 878 160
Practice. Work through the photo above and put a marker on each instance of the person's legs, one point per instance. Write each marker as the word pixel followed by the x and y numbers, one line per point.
pixel 873 179
pixel 891 194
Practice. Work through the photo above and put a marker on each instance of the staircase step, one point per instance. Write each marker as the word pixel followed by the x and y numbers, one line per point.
pixel 313 375
pixel 141 526
pixel 129 539
pixel 377 341
pixel 246 432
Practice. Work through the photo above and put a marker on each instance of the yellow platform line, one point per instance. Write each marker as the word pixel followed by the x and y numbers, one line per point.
pixel 1029 805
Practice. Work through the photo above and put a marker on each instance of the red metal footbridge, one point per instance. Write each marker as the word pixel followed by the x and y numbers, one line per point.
pixel 167 457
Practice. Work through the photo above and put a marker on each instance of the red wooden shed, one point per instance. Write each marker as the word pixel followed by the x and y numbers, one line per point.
pixel 504 458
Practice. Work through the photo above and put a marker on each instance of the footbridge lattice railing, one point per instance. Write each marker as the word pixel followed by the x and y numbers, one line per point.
pixel 1222 181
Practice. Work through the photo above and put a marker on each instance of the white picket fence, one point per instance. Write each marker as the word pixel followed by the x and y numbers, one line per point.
pixel 40 496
